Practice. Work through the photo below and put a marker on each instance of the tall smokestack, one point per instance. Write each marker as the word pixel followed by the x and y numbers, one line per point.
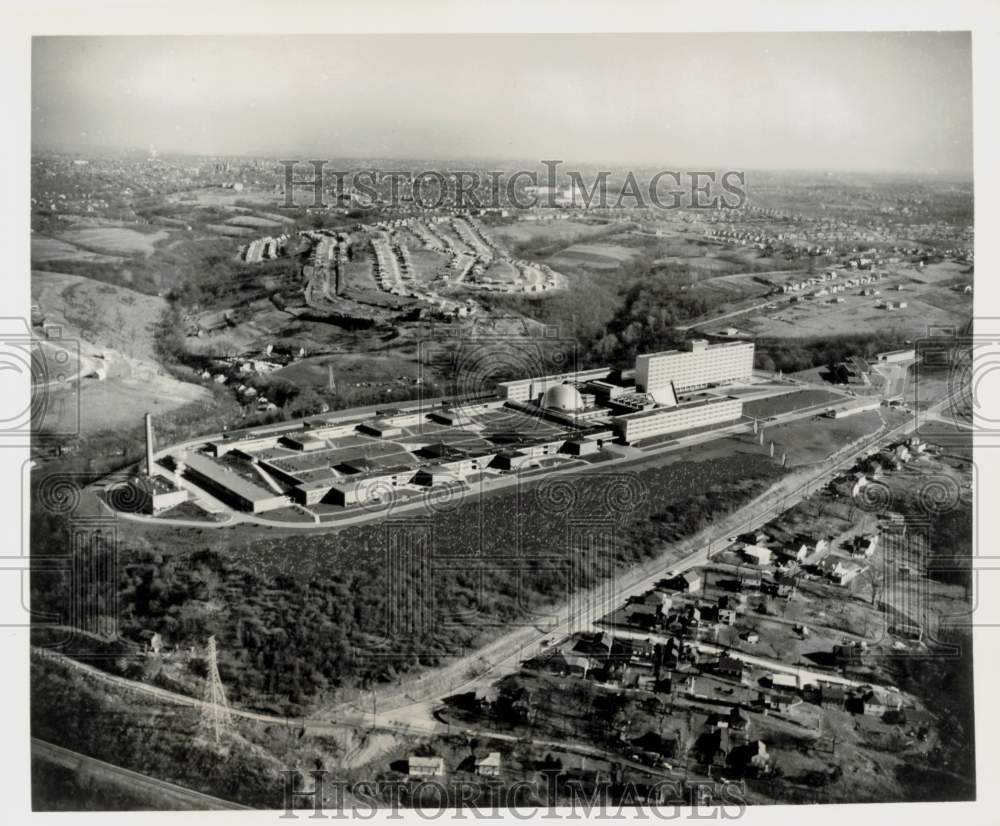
pixel 149 445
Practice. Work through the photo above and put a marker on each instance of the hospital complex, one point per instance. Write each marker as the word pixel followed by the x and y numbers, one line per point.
pixel 354 458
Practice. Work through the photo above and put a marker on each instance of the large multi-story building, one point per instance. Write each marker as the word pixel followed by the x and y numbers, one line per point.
pixel 701 365
pixel 690 415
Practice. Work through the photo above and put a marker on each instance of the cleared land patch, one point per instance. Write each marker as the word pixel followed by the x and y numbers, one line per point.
pixel 44 248
pixel 116 240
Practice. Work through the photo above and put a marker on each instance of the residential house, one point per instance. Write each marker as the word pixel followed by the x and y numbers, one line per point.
pixel 485 697
pixel 757 554
pixel 848 654
pixel 640 613
pixel 635 649
pixel 894 523
pixel 797 552
pixel 735 721
pixel 838 571
pixel 639 678
pixel 514 705
pixel 877 702
pixel 864 546
pixel 591 645
pixel 693 617
pixel 657 599
pixel 655 746
pixel 833 694
pixel 754 538
pixel 752 758
pixel 731 668
pixel 690 582
pixel 784 682
pixel 725 615
pixel 719 746
pixel 737 602
pixel 425 766
pixel 780 701
pixel 151 641
pixel 576 665
pixel 816 552
pixel 739 723
pixel 489 766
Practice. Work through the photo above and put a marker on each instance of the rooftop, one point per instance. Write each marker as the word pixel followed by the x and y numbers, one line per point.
pixel 154 484
pixel 686 405
pixel 227 478
pixel 717 346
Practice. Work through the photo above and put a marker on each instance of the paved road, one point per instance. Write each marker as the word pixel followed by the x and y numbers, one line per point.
pixel 806 675
pixel 504 656
pixel 160 792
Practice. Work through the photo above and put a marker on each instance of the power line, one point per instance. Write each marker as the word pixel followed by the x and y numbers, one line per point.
pixel 215 712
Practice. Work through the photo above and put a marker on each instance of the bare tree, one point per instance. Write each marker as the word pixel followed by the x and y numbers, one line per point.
pixel 876 582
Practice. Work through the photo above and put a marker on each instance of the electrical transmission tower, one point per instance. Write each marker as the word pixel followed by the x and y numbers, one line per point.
pixel 215 713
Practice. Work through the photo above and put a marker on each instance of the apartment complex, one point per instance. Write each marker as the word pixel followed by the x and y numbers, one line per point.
pixel 701 365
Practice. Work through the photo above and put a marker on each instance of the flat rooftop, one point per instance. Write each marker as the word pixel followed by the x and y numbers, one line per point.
pixel 572 375
pixel 687 405
pixel 226 478
pixel 720 345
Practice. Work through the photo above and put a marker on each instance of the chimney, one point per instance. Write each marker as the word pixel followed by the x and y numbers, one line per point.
pixel 149 445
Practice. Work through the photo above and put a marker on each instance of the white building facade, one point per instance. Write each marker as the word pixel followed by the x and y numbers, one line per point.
pixel 701 365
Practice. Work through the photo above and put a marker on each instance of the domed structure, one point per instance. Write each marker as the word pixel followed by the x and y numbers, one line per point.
pixel 562 397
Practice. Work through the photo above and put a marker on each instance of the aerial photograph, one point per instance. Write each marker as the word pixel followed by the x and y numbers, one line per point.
pixel 501 421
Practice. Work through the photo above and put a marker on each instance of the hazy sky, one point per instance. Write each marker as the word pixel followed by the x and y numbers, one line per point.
pixel 900 102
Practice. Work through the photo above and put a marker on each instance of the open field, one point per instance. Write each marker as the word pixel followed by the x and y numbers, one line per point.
pixel 930 293
pixel 598 256
pixel 106 316
pixel 351 368
pixel 805 442
pixel 502 271
pixel 797 400
pixel 50 249
pixel 115 240
pixel 218 197
pixel 118 403
pixel 857 313
pixel 253 222
pixel 232 231
pixel 720 289
pixel 550 231
pixel 114 329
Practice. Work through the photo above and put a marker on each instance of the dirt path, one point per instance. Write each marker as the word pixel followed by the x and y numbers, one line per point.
pixel 165 795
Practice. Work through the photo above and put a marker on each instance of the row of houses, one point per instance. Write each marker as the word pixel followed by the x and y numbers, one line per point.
pixel 263 248
pixel 486 765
